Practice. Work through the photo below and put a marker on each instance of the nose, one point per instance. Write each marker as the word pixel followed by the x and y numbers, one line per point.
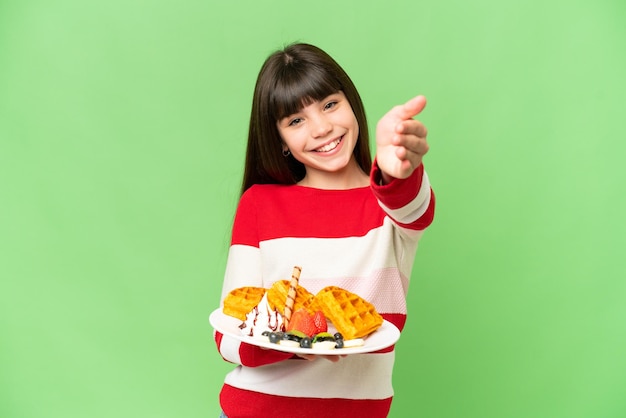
pixel 320 126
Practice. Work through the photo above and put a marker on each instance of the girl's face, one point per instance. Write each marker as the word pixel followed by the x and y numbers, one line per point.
pixel 322 136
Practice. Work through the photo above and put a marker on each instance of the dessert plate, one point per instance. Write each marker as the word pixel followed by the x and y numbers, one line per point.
pixel 383 337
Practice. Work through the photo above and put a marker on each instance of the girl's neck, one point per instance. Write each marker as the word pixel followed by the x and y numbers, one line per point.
pixel 351 177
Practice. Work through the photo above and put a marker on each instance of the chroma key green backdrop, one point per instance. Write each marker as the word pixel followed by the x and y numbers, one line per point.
pixel 122 134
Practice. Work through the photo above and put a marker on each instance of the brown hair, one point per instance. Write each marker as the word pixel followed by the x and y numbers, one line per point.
pixel 289 80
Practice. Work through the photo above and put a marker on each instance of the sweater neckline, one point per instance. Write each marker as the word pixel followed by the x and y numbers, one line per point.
pixel 318 190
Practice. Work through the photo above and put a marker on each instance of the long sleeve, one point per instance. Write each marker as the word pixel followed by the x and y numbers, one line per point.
pixel 409 202
pixel 237 352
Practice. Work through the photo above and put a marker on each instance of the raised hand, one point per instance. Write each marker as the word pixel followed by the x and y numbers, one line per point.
pixel 401 140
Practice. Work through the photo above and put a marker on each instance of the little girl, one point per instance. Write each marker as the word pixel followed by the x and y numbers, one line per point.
pixel 312 197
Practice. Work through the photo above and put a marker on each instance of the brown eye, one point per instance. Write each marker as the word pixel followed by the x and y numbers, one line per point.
pixel 330 105
pixel 295 121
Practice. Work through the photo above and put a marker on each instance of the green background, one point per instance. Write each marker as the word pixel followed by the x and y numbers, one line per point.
pixel 122 134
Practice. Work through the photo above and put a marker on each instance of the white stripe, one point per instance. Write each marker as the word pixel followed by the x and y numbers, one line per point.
pixel 416 208
pixel 360 376
pixel 334 257
pixel 229 349
pixel 243 268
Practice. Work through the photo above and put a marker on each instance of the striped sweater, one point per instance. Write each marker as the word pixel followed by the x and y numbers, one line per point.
pixel 363 240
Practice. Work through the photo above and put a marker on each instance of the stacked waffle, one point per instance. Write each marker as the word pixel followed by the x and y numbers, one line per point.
pixel 242 300
pixel 352 316
pixel 277 298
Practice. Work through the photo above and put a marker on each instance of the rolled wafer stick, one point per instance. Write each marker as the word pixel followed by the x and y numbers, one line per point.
pixel 291 294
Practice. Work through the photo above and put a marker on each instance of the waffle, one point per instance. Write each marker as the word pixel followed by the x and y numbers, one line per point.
pixel 277 297
pixel 242 300
pixel 353 316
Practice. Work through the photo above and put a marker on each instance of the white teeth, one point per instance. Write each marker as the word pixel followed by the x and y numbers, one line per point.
pixel 329 147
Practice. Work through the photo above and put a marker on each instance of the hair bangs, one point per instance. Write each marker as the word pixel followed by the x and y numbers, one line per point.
pixel 297 88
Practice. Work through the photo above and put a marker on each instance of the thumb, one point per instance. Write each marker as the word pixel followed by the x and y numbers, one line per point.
pixel 411 108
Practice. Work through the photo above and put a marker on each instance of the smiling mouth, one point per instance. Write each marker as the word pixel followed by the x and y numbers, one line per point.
pixel 331 146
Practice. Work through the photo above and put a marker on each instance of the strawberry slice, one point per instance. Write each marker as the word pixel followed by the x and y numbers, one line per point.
pixel 302 321
pixel 321 325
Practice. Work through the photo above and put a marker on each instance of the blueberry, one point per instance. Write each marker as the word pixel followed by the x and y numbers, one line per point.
pixel 305 342
pixel 338 336
pixel 275 337
pixel 339 343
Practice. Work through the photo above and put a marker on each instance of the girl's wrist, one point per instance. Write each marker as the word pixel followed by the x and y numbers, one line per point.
pixel 384 178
